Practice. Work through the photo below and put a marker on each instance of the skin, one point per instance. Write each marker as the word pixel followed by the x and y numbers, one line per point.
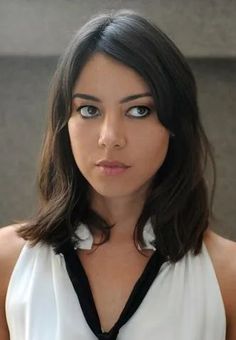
pixel 142 144
pixel 116 132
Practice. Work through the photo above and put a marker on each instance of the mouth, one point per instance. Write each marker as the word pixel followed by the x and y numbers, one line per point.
pixel 112 167
pixel 112 164
pixel 111 171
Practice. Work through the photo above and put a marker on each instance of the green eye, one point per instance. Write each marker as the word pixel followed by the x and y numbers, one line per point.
pixel 87 111
pixel 141 111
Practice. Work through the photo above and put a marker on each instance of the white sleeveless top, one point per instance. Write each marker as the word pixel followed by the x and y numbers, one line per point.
pixel 184 301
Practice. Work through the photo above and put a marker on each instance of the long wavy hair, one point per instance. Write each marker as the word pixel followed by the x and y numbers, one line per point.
pixel 179 202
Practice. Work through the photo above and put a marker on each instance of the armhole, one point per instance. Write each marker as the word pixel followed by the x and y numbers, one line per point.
pixel 210 262
pixel 12 275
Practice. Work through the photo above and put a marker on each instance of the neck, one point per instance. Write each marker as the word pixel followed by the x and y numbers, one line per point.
pixel 121 211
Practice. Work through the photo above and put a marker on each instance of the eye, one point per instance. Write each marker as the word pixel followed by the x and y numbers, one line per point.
pixel 140 111
pixel 87 111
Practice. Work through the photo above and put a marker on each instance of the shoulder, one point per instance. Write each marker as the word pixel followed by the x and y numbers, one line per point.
pixel 223 255
pixel 10 243
pixel 10 248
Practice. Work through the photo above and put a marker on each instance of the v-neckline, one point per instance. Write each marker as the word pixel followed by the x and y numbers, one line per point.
pixel 80 282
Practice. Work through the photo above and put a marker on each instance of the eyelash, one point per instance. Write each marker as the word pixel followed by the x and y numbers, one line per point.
pixel 138 106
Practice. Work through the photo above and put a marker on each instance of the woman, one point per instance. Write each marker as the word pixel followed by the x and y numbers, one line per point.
pixel 121 246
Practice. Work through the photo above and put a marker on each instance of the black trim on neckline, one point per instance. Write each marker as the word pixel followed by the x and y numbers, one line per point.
pixel 82 288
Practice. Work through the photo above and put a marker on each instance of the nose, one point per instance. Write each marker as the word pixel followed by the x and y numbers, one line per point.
pixel 112 134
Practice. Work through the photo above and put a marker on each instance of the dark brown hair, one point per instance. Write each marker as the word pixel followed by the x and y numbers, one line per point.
pixel 178 202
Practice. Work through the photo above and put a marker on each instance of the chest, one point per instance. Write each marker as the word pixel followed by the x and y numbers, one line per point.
pixel 112 278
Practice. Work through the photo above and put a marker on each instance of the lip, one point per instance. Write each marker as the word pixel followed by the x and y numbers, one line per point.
pixel 111 164
pixel 111 168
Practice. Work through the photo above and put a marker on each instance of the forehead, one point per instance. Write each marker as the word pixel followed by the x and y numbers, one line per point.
pixel 103 73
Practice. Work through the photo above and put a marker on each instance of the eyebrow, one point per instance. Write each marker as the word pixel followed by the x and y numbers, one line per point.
pixel 123 100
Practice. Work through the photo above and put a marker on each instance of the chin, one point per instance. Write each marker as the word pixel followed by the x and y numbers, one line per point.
pixel 113 193
pixel 117 190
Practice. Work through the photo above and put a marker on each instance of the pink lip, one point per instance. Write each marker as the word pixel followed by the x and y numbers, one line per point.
pixel 108 170
pixel 112 164
pixel 112 167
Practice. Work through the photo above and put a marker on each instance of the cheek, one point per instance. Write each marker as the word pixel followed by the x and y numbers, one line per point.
pixel 83 142
pixel 160 150
pixel 161 146
pixel 153 146
pixel 79 137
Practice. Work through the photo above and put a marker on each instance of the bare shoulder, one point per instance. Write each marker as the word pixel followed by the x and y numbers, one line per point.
pixel 10 247
pixel 223 255
pixel 221 250
pixel 10 243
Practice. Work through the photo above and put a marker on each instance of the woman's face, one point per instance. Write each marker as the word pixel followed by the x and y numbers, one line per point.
pixel 116 128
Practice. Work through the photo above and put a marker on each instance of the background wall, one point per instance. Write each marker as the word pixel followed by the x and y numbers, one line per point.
pixel 34 33
pixel 201 28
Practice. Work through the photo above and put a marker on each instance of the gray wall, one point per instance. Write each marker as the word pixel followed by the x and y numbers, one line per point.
pixel 201 28
pixel 33 34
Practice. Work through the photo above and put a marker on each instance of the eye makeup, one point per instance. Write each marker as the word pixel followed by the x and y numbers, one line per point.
pixel 94 108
